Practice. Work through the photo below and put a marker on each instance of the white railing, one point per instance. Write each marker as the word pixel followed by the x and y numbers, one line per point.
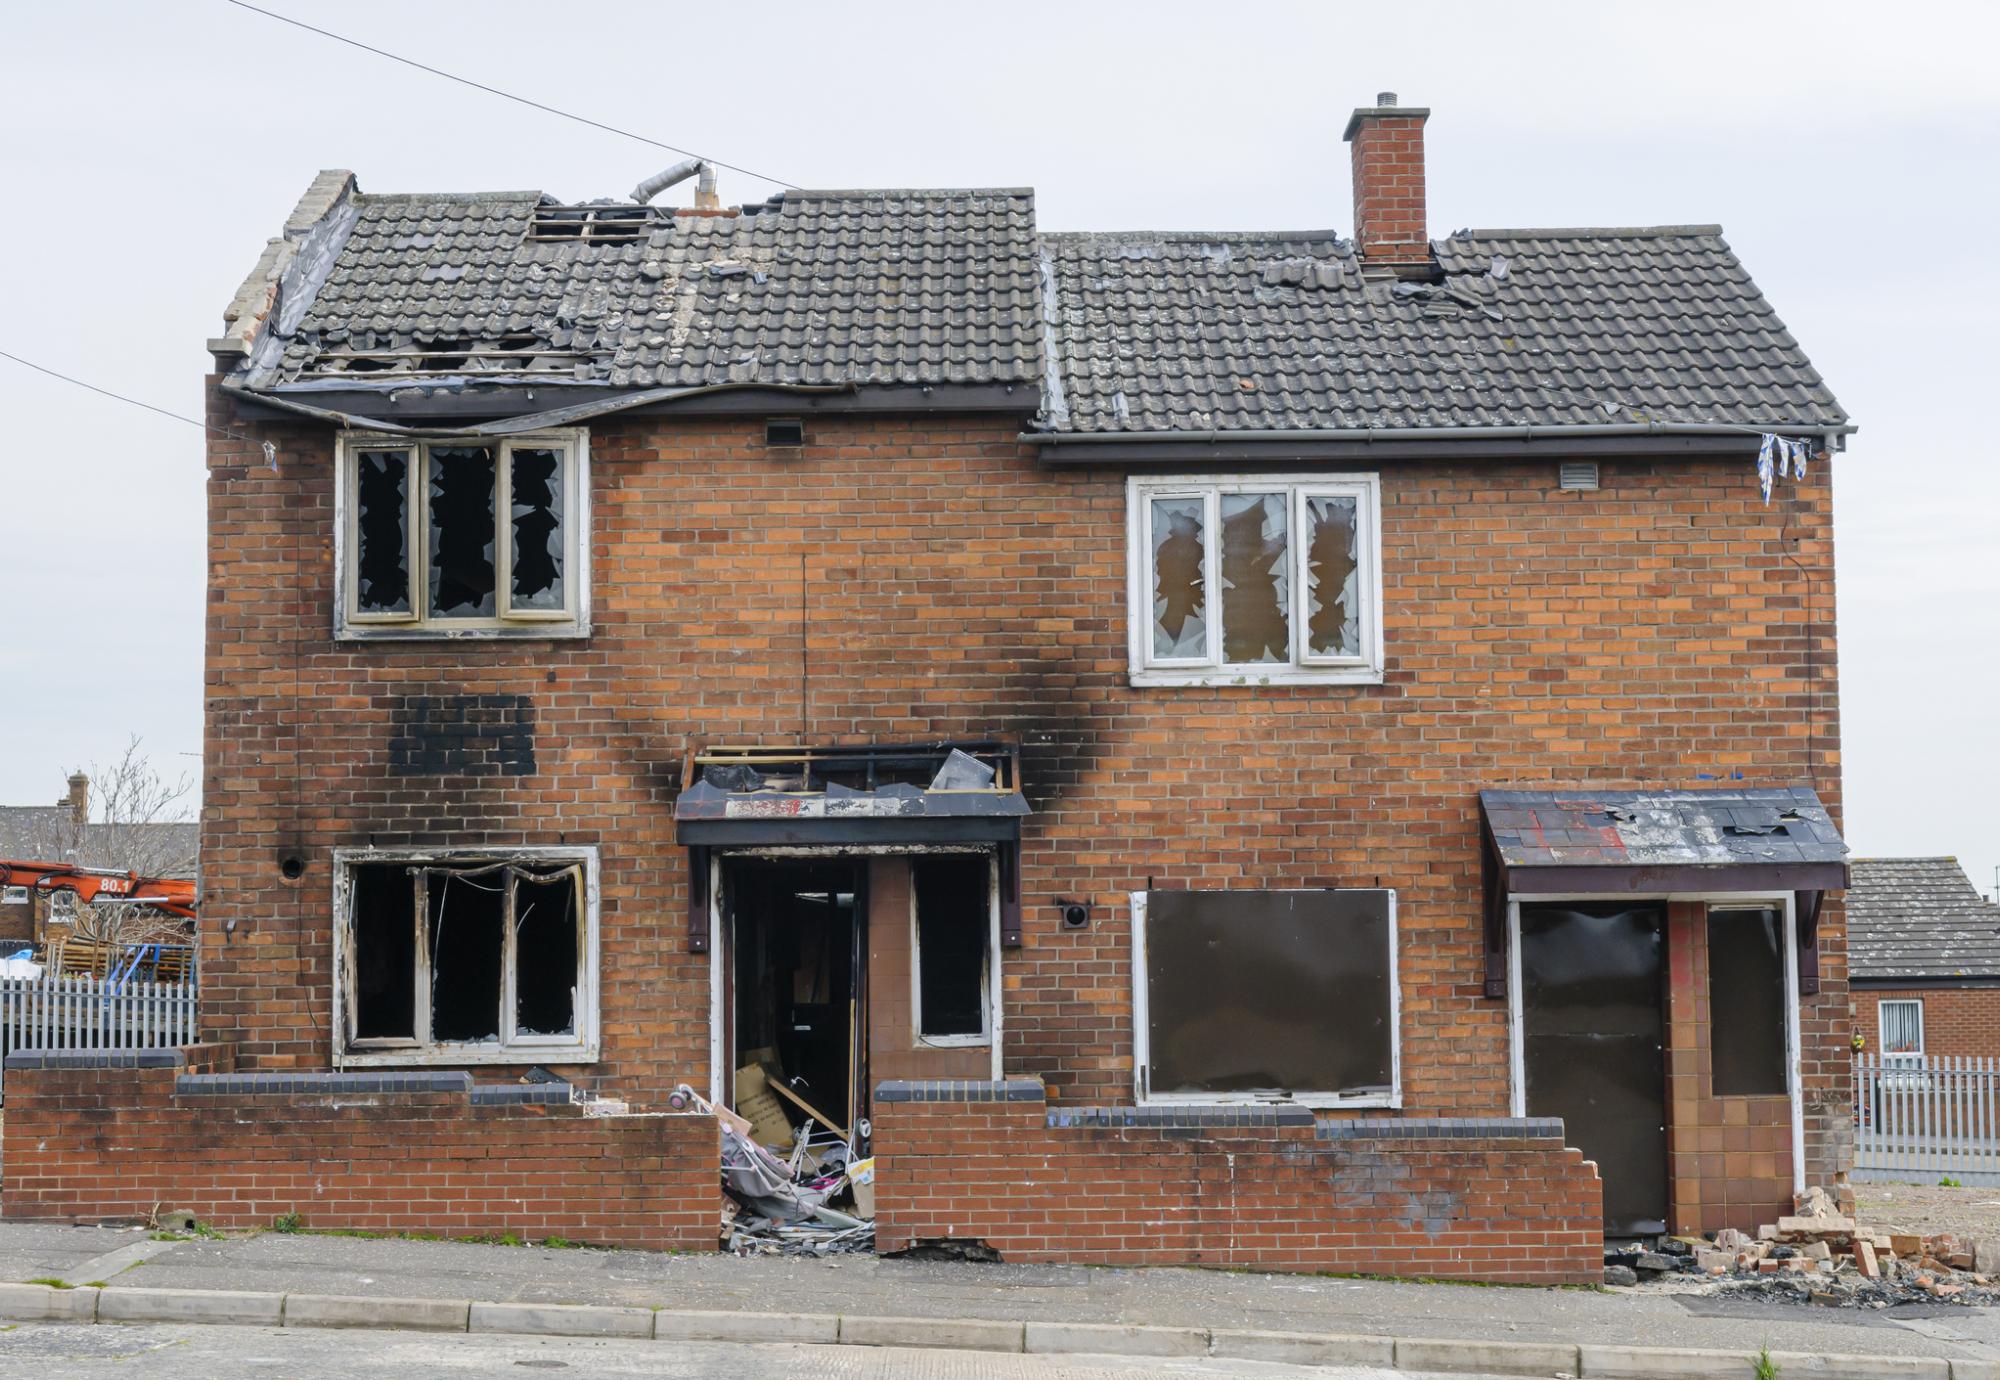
pixel 1927 1118
pixel 79 1011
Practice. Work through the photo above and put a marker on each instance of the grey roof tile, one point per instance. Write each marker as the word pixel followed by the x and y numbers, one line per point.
pixel 1164 331
pixel 1919 918
pixel 1711 827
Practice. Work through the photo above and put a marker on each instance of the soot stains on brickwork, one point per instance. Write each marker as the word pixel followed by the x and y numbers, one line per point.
pixel 463 735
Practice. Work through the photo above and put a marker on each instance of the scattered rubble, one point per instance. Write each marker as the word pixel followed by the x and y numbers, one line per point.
pixel 1818 1256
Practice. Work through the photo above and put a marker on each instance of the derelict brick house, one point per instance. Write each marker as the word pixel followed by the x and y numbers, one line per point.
pixel 1199 746
pixel 1925 964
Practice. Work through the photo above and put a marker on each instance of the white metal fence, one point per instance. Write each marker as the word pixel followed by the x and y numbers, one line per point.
pixel 1927 1119
pixel 79 1011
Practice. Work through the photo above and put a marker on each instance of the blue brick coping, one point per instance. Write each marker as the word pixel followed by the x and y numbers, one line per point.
pixel 1184 1118
pixel 959 1090
pixel 311 1083
pixel 1442 1128
pixel 96 1059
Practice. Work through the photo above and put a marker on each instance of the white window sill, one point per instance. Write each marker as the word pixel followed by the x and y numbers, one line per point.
pixel 450 1056
pixel 442 632
pixel 1249 676
pixel 954 1041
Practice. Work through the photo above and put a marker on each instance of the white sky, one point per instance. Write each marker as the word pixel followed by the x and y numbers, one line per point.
pixel 1848 149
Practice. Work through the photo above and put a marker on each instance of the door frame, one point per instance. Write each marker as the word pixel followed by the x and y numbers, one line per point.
pixel 722 986
pixel 1784 901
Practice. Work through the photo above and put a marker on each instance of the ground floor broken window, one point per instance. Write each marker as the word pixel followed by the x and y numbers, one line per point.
pixel 1243 996
pixel 465 957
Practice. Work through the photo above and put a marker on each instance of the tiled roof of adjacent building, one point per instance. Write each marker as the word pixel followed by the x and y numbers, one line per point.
pixel 1555 328
pixel 811 288
pixel 1919 918
pixel 47 833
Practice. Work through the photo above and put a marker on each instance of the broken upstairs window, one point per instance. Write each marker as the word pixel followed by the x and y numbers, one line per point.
pixel 1255 580
pixel 462 536
pixel 462 956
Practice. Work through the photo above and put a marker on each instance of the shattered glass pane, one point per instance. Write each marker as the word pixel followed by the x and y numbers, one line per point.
pixel 538 539
pixel 547 920
pixel 462 532
pixel 1180 604
pixel 382 526
pixel 1333 609
pixel 1256 581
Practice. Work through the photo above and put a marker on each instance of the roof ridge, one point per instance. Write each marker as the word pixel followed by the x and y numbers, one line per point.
pixel 1193 236
pixel 859 193
pixel 1587 232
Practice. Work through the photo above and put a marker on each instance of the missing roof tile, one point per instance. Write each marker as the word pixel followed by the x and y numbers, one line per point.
pixel 553 223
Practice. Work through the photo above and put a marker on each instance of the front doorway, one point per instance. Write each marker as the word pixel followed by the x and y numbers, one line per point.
pixel 795 1026
pixel 1593 1045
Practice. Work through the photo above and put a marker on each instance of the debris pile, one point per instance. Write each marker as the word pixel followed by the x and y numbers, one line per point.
pixel 780 1205
pixel 1822 1256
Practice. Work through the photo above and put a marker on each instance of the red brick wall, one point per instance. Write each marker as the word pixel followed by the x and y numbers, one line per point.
pixel 1730 1158
pixel 1255 1197
pixel 1656 631
pixel 90 1144
pixel 1959 1022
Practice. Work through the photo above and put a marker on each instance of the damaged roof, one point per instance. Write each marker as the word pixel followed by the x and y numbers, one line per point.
pixel 1200 332
pixel 1721 827
pixel 825 288
pixel 1919 918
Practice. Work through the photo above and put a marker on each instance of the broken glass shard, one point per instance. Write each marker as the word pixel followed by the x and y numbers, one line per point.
pixel 462 532
pixel 1180 604
pixel 1256 587
pixel 538 542
pixel 1333 614
pixel 382 528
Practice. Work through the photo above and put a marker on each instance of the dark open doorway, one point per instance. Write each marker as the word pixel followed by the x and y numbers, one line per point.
pixel 797 950
pixel 1592 1029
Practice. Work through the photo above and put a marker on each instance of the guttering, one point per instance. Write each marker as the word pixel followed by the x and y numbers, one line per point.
pixel 1523 432
pixel 510 426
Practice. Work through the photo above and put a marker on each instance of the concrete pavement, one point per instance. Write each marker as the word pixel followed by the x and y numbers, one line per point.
pixel 858 1288
pixel 240 1353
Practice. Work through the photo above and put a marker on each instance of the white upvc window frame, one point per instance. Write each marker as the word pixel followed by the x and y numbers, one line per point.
pixel 1305 668
pixel 989 987
pixel 1910 1058
pixel 570 621
pixel 580 1046
pixel 14 896
pixel 1318 1100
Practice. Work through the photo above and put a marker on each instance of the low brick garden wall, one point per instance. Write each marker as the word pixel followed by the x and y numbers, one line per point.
pixel 113 1136
pixel 1267 1188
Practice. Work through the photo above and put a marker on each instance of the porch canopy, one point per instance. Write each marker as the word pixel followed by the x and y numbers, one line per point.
pixel 852 795
pixel 1618 842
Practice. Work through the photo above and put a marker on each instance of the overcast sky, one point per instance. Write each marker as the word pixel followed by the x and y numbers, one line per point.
pixel 1849 150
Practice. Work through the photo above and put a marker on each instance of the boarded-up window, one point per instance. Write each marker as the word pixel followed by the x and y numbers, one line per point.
pixel 1746 1002
pixel 1268 993
pixel 954 923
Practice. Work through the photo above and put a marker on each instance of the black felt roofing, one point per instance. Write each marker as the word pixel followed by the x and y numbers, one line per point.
pixel 1677 828
pixel 1919 918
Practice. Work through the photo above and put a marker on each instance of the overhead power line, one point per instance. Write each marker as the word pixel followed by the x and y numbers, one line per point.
pixel 506 95
pixel 134 402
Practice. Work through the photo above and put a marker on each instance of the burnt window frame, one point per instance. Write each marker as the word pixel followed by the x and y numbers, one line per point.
pixel 1364 667
pixel 1318 1098
pixel 571 620
pixel 989 984
pixel 580 1046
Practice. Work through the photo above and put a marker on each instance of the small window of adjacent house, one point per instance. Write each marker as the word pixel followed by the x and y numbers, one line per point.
pixel 953 899
pixel 14 896
pixel 1902 1031
pixel 1250 996
pixel 464 958
pixel 1254 579
pixel 443 538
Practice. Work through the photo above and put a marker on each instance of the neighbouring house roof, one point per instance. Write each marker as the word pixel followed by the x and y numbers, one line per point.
pixel 1554 328
pixel 46 833
pixel 811 288
pixel 1919 918
pixel 1555 836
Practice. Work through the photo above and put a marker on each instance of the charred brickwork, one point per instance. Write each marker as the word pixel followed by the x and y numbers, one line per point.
pixel 463 735
pixel 1667 628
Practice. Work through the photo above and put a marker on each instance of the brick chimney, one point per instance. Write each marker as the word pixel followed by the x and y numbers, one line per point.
pixel 1388 142
pixel 78 798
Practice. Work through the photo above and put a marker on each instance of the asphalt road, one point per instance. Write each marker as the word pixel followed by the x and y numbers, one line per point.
pixel 241 1353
